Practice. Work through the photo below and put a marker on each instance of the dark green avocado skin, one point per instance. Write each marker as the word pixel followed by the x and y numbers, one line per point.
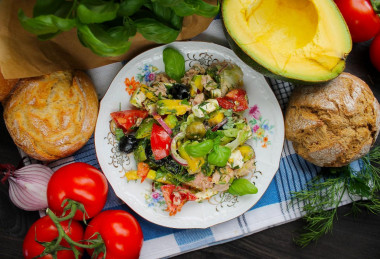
pixel 261 69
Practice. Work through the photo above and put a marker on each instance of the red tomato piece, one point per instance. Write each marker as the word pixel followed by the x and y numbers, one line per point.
pixel 175 197
pixel 80 182
pixel 44 230
pixel 374 52
pixel 160 142
pixel 235 99
pixel 225 103
pixel 126 120
pixel 120 231
pixel 142 170
pixel 361 19
pixel 236 94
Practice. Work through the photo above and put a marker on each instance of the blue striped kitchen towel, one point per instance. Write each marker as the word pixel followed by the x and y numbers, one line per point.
pixel 273 208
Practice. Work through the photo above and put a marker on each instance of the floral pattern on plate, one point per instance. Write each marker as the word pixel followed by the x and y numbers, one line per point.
pixel 260 127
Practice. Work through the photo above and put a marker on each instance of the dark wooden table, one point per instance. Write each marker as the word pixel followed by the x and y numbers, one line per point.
pixel 351 237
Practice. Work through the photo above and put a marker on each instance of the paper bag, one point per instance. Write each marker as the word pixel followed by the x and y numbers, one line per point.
pixel 23 55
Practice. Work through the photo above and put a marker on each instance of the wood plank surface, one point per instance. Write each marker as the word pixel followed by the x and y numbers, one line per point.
pixel 351 237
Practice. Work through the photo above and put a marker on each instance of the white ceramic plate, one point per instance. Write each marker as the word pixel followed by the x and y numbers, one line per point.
pixel 264 116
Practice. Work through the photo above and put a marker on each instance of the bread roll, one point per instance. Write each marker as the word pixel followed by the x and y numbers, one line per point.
pixel 333 124
pixel 52 116
pixel 6 86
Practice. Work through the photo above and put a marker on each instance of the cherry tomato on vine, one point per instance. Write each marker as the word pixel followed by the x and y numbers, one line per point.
pixel 374 52
pixel 80 182
pixel 120 232
pixel 361 19
pixel 44 230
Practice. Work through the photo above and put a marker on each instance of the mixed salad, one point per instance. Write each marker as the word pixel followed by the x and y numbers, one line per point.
pixel 188 134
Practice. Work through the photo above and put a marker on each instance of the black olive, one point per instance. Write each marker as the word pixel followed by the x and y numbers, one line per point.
pixel 180 91
pixel 127 143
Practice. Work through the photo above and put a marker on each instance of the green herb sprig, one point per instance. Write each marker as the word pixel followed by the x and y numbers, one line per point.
pixel 106 27
pixel 322 197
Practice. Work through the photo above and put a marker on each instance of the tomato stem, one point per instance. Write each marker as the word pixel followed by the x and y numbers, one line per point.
pixel 61 234
pixel 73 209
pixel 376 6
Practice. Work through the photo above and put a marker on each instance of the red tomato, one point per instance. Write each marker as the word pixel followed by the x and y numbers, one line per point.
pixel 360 17
pixel 374 52
pixel 80 182
pixel 126 120
pixel 120 232
pixel 235 99
pixel 160 142
pixel 44 230
pixel 175 197
pixel 225 103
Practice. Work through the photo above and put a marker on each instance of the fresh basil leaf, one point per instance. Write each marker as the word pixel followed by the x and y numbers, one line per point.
pixel 156 31
pixel 168 3
pixel 201 149
pixel 59 8
pixel 97 11
pixel 183 9
pixel 174 63
pixel 186 8
pixel 45 24
pixel 176 21
pixel 162 14
pixel 105 42
pixel 206 9
pixel 241 187
pixel 219 155
pixel 130 7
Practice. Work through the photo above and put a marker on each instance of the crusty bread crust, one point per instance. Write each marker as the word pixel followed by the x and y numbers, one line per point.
pixel 52 116
pixel 335 123
pixel 6 85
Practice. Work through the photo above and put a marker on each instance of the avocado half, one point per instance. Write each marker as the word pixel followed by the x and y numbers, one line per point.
pixel 300 41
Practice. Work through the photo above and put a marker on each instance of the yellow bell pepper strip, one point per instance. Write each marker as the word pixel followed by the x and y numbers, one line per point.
pixel 132 175
pixel 196 85
pixel 215 118
pixel 149 94
pixel 247 152
pixel 194 164
pixel 177 107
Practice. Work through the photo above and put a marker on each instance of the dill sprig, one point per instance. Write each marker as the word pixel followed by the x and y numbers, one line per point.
pixel 325 192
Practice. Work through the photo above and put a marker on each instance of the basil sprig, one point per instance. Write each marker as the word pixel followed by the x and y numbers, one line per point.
pixel 106 27
pixel 174 63
pixel 241 187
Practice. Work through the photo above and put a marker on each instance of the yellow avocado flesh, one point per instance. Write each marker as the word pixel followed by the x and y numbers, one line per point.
pixel 306 40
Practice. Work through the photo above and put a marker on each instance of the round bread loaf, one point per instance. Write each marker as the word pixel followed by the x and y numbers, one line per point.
pixel 6 86
pixel 52 116
pixel 333 124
